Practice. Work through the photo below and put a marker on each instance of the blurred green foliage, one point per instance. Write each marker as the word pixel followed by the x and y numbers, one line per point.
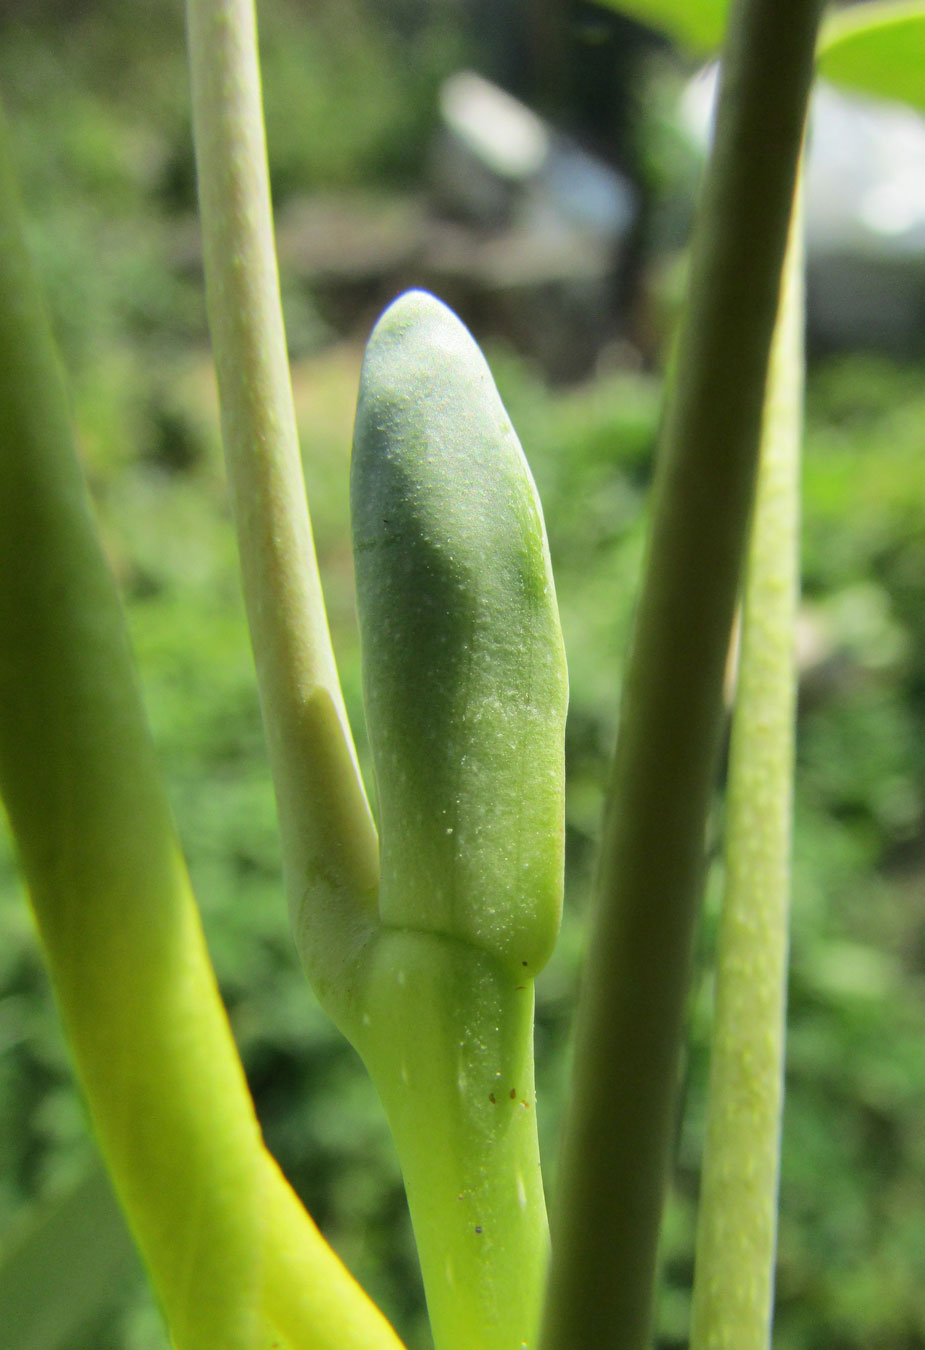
pixel 98 104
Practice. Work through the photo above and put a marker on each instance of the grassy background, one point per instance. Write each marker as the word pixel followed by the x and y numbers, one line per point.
pixel 98 101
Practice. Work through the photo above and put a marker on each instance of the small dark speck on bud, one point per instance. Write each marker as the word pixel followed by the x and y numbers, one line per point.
pixel 478 1228
pixel 513 1093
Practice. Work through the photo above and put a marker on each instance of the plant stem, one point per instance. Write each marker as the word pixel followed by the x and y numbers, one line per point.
pixel 733 1279
pixel 308 1295
pixel 120 929
pixel 448 1041
pixel 419 1007
pixel 618 1135
pixel 330 853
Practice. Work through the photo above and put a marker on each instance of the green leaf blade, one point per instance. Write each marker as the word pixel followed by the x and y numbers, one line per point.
pixel 695 24
pixel 878 49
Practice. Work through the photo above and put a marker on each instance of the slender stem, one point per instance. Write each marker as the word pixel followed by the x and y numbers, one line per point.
pixel 329 843
pixel 440 1025
pixel 617 1141
pixel 737 1226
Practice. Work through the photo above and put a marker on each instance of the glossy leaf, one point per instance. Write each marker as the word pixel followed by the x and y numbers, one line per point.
pixel 695 24
pixel 878 49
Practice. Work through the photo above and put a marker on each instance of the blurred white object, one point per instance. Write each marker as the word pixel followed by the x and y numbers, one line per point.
pixel 530 221
pixel 497 162
pixel 497 129
pixel 865 212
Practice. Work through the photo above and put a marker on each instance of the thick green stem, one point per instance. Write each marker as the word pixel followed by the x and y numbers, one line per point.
pixel 737 1220
pixel 448 1041
pixel 329 843
pixel 120 930
pixel 215 1222
pixel 309 1297
pixel 624 1094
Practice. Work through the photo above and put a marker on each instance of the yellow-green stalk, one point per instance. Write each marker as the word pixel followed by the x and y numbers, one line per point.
pixel 118 923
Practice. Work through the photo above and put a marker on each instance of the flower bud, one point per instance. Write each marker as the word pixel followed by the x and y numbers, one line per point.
pixel 463 663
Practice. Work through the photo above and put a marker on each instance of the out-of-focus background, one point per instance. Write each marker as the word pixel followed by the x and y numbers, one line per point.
pixel 534 163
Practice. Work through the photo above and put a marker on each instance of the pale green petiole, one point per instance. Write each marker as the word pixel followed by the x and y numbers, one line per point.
pixel 737 1218
pixel 431 975
pixel 328 839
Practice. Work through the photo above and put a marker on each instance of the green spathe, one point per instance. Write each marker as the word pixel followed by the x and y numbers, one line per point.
pixel 464 668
